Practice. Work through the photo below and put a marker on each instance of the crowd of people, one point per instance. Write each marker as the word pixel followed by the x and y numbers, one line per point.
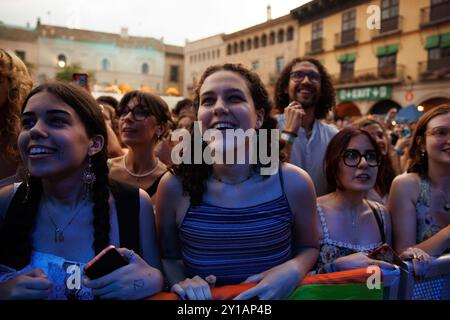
pixel 79 174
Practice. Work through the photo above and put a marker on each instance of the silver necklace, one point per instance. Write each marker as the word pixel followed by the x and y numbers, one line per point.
pixel 233 183
pixel 354 218
pixel 59 231
pixel 140 175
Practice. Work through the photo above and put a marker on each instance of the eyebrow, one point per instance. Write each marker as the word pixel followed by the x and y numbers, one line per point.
pixel 228 91
pixel 49 112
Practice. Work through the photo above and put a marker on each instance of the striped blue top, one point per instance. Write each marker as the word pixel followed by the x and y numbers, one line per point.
pixel 235 243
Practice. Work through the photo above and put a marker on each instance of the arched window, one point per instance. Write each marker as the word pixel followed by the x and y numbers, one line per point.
pixel 144 68
pixel 280 36
pixel 208 55
pixel 213 54
pixel 218 53
pixel 242 46
pixel 272 38
pixel 290 34
pixel 256 42
pixel 62 61
pixel 264 40
pixel 235 47
pixel 249 44
pixel 106 65
pixel 229 49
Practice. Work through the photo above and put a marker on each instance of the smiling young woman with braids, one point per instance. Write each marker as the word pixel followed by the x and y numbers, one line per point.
pixel 68 210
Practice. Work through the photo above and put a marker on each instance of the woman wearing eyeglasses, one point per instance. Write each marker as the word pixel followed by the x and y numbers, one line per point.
pixel 420 199
pixel 350 225
pixel 143 120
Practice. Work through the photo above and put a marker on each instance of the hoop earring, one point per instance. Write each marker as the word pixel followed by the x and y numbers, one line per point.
pixel 88 179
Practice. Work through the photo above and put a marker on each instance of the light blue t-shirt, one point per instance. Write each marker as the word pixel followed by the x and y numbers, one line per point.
pixel 309 154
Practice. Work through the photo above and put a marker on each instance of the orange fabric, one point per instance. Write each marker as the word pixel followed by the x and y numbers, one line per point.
pixel 229 292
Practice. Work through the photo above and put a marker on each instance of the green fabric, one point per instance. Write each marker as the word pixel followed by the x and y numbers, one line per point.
pixel 432 42
pixel 342 58
pixel 351 57
pixel 352 291
pixel 381 51
pixel 392 49
pixel 445 40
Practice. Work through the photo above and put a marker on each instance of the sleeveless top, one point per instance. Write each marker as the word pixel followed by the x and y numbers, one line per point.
pixel 152 189
pixel 235 243
pixel 426 227
pixel 331 249
pixel 62 273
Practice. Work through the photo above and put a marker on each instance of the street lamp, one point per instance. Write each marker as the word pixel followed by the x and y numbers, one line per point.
pixel 61 61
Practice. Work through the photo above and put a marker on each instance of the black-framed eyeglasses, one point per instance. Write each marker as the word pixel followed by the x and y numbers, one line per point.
pixel 299 75
pixel 139 113
pixel 352 158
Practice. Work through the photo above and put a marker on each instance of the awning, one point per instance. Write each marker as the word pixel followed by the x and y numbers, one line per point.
pixel 342 58
pixel 387 50
pixel 432 42
pixel 445 40
pixel 351 57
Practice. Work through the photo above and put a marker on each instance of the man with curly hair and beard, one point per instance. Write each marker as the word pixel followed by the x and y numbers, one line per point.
pixel 304 95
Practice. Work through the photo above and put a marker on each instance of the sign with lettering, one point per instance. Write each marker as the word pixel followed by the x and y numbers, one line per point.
pixel 365 93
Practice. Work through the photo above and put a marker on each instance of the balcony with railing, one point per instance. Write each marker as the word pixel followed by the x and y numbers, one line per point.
pixel 346 38
pixel 434 69
pixel 315 46
pixel 388 27
pixel 373 76
pixel 436 14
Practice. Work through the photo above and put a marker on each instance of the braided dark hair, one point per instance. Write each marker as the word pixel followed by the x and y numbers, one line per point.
pixel 327 98
pixel 16 231
pixel 194 176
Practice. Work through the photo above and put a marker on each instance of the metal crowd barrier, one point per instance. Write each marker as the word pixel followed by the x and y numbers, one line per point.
pixel 435 285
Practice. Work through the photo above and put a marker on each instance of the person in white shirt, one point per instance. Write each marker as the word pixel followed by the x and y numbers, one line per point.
pixel 305 94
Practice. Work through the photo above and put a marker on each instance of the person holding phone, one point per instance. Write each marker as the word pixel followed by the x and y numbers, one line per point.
pixel 304 93
pixel 229 223
pixel 419 200
pixel 68 211
pixel 350 225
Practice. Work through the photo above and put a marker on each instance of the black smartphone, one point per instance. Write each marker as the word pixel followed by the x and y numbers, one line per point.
pixel 104 263
pixel 81 79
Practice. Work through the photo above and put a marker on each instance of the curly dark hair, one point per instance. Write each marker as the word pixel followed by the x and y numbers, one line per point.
pixel 194 176
pixel 334 151
pixel 327 98
pixel 417 162
pixel 16 231
pixel 15 71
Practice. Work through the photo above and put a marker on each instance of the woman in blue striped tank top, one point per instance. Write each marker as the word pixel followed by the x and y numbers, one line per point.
pixel 230 223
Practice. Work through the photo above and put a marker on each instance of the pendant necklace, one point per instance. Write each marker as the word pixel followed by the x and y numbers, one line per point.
pixel 59 231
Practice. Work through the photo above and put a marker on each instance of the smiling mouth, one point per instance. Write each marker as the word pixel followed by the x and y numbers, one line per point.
pixel 40 150
pixel 223 126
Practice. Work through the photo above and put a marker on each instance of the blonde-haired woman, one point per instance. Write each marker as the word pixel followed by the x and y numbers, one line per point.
pixel 15 84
